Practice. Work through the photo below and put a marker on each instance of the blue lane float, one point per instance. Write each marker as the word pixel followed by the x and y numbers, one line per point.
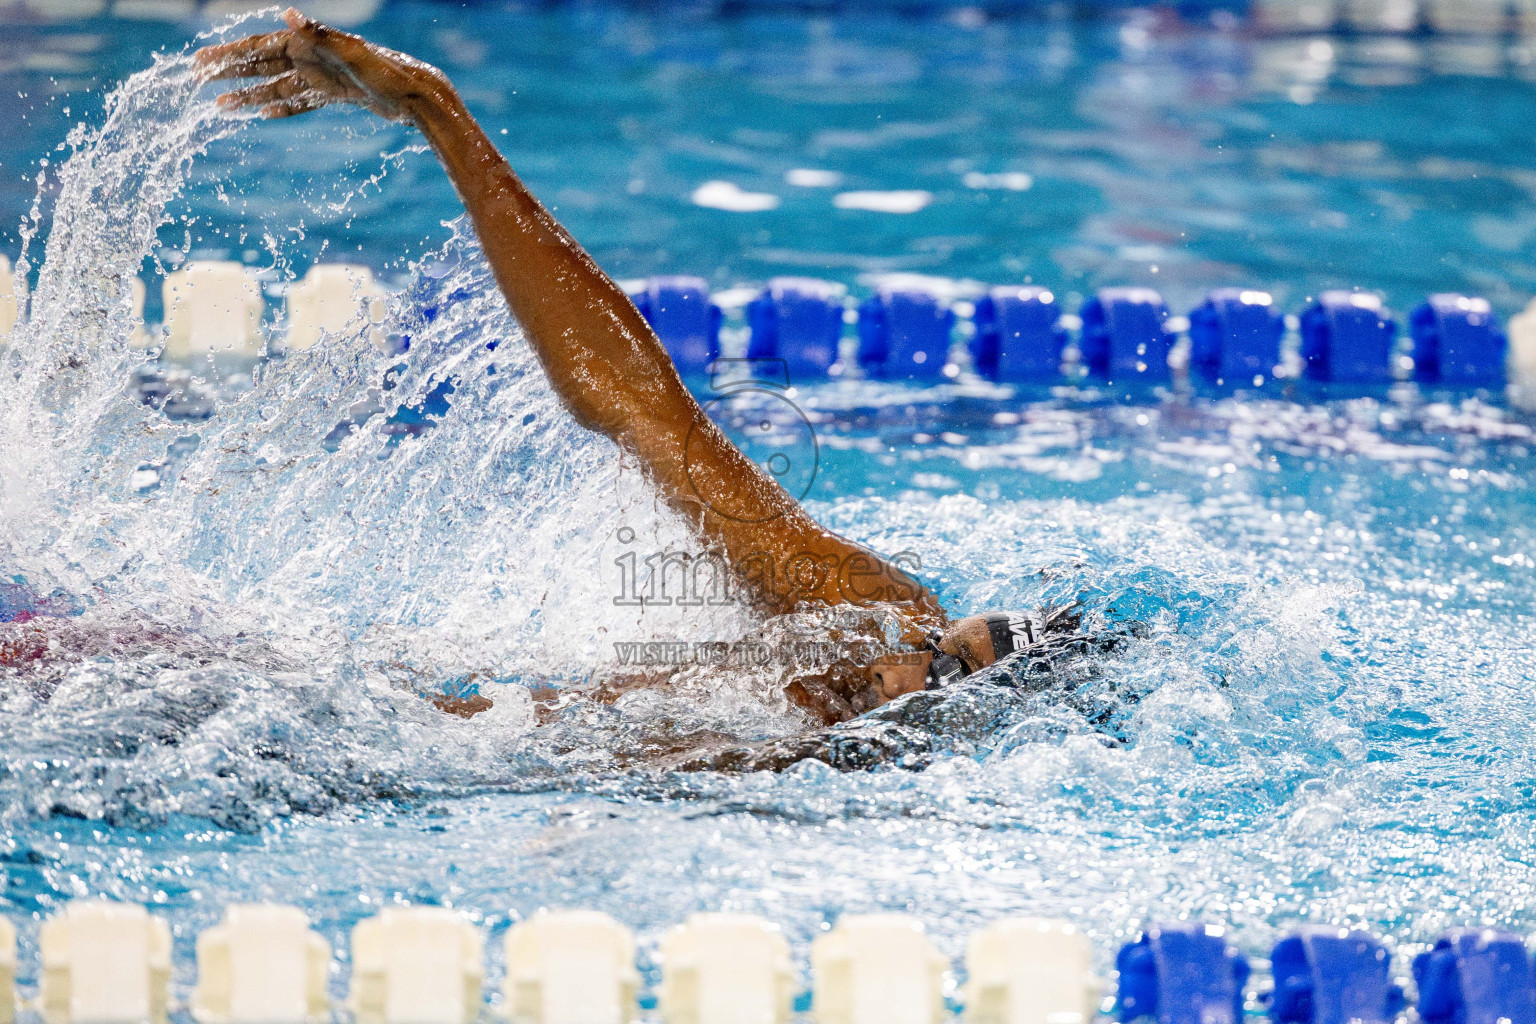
pixel 1181 973
pixel 904 335
pixel 1333 976
pixel 798 320
pixel 1234 336
pixel 1019 335
pixel 1457 341
pixel 1347 337
pixel 1125 338
pixel 688 324
pixel 1476 976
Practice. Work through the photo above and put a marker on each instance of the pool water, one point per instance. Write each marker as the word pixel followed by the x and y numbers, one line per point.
pixel 1328 718
pixel 1076 154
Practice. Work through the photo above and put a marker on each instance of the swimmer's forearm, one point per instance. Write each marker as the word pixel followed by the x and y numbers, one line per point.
pixel 583 327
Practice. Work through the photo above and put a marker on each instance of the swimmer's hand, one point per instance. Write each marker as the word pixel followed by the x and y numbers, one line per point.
pixel 464 707
pixel 309 65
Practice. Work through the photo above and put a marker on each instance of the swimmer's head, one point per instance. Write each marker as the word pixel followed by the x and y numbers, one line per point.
pixel 968 645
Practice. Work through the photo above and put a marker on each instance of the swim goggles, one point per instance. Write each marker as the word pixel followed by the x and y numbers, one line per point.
pixel 944 669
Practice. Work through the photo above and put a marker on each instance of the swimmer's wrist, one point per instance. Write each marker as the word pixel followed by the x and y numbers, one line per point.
pixel 435 105
pixel 441 116
pixel 454 134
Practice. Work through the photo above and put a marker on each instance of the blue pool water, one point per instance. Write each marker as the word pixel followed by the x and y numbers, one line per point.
pixel 1178 158
pixel 1329 719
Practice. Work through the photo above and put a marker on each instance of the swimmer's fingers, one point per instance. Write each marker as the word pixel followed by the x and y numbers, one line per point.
pixel 282 96
pixel 301 104
pixel 321 35
pixel 252 69
pixel 275 108
pixel 273 53
pixel 252 57
pixel 309 65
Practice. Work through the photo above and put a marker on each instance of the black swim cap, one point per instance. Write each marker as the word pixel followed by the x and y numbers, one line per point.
pixel 1010 632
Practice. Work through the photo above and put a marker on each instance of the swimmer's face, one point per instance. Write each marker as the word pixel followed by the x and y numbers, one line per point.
pixel 967 639
pixel 896 674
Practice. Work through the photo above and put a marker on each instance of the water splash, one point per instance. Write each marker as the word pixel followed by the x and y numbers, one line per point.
pixel 479 551
pixel 66 428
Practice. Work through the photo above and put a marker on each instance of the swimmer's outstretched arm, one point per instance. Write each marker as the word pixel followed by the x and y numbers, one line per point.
pixel 599 353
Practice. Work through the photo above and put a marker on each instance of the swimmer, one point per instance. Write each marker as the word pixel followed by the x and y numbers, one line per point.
pixel 613 375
